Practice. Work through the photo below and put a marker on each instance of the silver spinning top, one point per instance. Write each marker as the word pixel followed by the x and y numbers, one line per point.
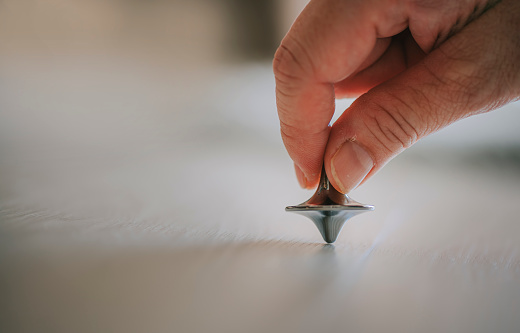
pixel 329 209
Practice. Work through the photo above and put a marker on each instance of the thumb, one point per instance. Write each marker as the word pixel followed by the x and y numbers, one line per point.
pixel 472 72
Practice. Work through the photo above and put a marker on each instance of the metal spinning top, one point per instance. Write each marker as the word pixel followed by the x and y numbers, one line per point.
pixel 329 209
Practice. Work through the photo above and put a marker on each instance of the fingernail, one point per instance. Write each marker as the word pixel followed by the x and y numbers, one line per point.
pixel 350 165
pixel 302 180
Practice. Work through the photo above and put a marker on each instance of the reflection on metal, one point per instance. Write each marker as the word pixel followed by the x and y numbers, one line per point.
pixel 329 209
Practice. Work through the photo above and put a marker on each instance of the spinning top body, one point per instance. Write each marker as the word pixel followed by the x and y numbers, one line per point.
pixel 329 209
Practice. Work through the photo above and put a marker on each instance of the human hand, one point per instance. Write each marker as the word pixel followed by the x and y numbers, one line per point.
pixel 419 65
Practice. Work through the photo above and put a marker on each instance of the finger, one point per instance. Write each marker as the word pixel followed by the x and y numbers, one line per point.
pixel 302 180
pixel 472 72
pixel 402 53
pixel 329 41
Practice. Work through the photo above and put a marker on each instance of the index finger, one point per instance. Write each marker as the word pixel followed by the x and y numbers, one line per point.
pixel 328 42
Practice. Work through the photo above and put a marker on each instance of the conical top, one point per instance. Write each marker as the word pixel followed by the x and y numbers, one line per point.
pixel 329 209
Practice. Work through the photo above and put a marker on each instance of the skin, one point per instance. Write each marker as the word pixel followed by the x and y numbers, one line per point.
pixel 416 66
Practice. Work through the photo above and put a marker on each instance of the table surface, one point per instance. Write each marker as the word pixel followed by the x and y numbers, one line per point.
pixel 131 202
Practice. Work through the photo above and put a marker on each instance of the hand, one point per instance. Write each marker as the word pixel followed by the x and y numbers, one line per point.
pixel 419 65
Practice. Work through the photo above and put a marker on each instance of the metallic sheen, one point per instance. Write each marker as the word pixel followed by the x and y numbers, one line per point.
pixel 329 209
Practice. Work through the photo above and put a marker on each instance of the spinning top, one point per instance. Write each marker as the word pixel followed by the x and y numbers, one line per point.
pixel 329 209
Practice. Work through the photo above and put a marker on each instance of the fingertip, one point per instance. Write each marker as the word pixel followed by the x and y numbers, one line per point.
pixel 302 180
pixel 349 166
pixel 305 182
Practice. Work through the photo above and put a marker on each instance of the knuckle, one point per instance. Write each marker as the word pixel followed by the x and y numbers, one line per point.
pixel 469 81
pixel 290 143
pixel 284 63
pixel 287 75
pixel 291 61
pixel 281 62
pixel 301 148
pixel 289 133
pixel 302 132
pixel 458 82
pixel 389 122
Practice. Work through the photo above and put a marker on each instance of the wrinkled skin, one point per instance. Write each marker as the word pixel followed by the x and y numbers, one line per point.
pixel 416 66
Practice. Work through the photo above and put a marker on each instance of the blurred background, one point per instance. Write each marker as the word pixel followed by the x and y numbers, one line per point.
pixel 194 33
pixel 143 183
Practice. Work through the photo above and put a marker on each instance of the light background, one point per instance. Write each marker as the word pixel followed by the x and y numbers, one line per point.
pixel 143 183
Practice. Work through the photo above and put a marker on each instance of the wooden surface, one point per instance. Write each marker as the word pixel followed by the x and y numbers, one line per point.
pixel 132 202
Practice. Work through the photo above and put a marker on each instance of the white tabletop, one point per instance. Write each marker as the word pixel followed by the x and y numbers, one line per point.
pixel 132 202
